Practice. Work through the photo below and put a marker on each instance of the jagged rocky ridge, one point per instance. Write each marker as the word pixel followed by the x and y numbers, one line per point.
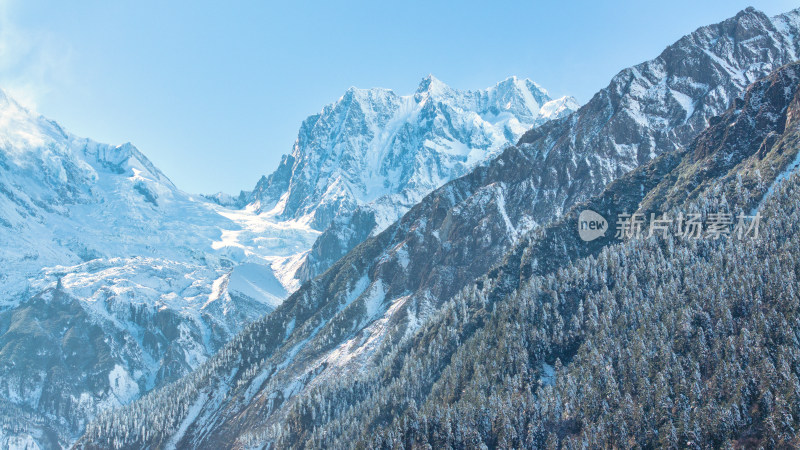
pixel 659 342
pixel 382 291
pixel 363 161
pixel 373 143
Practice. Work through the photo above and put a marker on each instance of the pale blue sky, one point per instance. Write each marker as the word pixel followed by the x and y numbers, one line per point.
pixel 215 92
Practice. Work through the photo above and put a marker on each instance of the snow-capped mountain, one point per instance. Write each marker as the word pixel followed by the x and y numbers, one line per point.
pixel 373 144
pixel 255 391
pixel 118 282
pixel 363 161
pixel 114 280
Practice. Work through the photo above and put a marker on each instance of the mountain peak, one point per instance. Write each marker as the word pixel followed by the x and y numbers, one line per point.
pixel 748 10
pixel 522 85
pixel 432 85
pixel 750 13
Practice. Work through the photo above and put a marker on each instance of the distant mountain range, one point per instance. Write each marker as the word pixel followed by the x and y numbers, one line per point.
pixel 117 282
pixel 458 323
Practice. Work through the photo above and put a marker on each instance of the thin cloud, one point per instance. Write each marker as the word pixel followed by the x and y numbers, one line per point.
pixel 33 63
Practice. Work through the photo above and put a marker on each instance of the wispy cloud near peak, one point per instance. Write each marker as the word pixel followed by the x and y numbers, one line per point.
pixel 33 62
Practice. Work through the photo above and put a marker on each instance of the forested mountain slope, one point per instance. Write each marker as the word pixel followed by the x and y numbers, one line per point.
pixel 349 320
pixel 658 341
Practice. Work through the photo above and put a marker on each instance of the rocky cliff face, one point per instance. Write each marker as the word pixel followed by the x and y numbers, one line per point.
pixel 363 161
pixel 572 352
pixel 373 144
pixel 389 286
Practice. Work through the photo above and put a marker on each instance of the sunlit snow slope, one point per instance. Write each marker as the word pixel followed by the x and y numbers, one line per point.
pixel 115 281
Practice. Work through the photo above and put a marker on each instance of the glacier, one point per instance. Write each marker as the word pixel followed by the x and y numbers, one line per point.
pixel 118 282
